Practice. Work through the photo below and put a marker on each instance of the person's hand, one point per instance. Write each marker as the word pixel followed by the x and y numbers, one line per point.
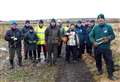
pixel 95 44
pixel 15 39
pixel 12 37
pixel 34 41
pixel 30 42
pixel 105 39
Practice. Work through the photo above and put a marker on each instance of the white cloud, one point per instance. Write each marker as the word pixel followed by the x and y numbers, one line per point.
pixel 37 9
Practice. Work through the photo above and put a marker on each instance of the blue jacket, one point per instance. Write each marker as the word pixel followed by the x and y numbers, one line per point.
pixel 87 32
pixel 13 33
pixel 81 33
pixel 31 39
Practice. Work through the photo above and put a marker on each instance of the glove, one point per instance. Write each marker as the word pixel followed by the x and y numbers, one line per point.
pixel 15 39
pixel 12 37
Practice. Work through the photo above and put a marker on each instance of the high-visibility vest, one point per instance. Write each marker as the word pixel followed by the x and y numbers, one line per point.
pixel 40 35
pixel 66 29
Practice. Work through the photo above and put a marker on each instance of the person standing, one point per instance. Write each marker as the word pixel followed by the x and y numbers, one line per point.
pixel 80 30
pixel 31 39
pixel 101 37
pixel 40 30
pixel 14 37
pixel 25 29
pixel 59 24
pixel 72 44
pixel 88 44
pixel 52 35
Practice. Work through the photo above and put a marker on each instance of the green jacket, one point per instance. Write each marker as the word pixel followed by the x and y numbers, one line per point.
pixel 99 32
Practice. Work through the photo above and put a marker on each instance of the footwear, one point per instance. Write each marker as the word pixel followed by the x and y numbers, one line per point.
pixel 113 78
pixel 11 67
pixel 39 59
pixel 25 58
pixel 11 64
pixel 99 73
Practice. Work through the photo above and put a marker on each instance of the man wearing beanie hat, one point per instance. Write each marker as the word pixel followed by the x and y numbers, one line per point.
pixel 13 36
pixel 41 44
pixel 52 35
pixel 25 29
pixel 101 37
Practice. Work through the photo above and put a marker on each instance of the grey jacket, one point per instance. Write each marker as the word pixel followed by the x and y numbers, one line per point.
pixel 52 35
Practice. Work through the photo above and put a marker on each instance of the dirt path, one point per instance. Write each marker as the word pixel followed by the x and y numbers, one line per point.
pixel 74 72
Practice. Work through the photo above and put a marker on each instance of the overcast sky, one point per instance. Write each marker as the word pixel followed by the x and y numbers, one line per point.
pixel 45 9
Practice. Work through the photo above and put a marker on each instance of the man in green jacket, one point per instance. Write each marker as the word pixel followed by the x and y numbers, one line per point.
pixel 101 37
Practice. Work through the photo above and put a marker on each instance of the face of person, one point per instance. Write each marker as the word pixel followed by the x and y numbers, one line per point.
pixel 31 30
pixel 72 26
pixel 13 26
pixel 87 23
pixel 101 21
pixel 27 24
pixel 59 23
pixel 92 24
pixel 41 24
pixel 53 23
pixel 83 23
pixel 78 24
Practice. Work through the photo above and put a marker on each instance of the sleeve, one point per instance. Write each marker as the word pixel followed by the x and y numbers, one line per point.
pixel 59 34
pixel 22 33
pixel 92 35
pixel 111 34
pixel 36 38
pixel 46 33
pixel 7 36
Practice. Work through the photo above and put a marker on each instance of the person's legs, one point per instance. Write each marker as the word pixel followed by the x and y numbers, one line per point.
pixel 25 50
pixel 98 58
pixel 30 54
pixel 39 52
pixel 50 49
pixel 89 48
pixel 81 50
pixel 59 49
pixel 55 53
pixel 107 55
pixel 45 52
pixel 19 55
pixel 34 55
pixel 67 57
pixel 74 52
pixel 11 57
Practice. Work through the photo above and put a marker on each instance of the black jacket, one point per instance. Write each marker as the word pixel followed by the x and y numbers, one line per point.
pixel 13 33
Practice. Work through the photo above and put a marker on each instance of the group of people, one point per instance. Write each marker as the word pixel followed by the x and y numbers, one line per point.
pixel 77 38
